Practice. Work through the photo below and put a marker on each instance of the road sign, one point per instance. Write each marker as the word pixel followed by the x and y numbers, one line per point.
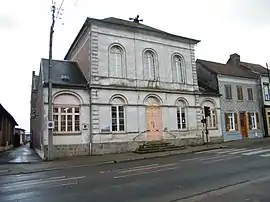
pixel 50 124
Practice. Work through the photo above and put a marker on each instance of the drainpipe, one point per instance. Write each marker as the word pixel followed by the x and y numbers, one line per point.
pixel 261 105
pixel 90 122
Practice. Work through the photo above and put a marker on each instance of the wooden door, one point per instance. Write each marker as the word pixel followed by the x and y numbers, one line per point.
pixel 153 123
pixel 243 124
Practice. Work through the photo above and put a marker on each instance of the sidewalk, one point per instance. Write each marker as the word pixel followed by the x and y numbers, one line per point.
pixel 86 161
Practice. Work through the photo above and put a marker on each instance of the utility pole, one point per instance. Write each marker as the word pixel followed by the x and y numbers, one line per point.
pixel 50 116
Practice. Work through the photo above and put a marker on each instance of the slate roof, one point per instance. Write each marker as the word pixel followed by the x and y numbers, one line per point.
pixel 227 69
pixel 206 90
pixel 64 68
pixel 255 67
pixel 4 111
pixel 139 27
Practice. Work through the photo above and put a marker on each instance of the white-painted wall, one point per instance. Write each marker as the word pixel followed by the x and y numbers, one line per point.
pixel 79 138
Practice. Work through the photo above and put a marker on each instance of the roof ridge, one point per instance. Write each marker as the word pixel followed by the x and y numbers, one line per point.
pixel 211 62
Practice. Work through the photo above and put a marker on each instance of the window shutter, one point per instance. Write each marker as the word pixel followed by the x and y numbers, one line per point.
pixel 227 122
pixel 258 120
pixel 249 121
pixel 235 121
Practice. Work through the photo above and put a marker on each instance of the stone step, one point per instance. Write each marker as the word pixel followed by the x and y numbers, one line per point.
pixel 159 149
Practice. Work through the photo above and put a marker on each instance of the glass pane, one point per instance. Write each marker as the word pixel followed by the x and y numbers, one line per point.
pixel 63 123
pixel 183 126
pixel 55 119
pixel 114 121
pixel 77 123
pixel 121 127
pixel 63 110
pixel 77 110
pixel 121 121
pixel 69 110
pixel 114 127
pixel 55 110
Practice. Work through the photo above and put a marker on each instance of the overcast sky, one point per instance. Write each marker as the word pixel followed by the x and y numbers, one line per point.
pixel 224 27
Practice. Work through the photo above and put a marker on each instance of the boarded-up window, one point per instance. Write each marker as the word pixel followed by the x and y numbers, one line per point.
pixel 239 93
pixel 250 94
pixel 228 92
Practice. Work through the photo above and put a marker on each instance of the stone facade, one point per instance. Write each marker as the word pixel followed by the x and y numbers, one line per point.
pixel 93 45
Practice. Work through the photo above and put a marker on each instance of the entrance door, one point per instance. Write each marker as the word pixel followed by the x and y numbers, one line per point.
pixel 243 124
pixel 153 123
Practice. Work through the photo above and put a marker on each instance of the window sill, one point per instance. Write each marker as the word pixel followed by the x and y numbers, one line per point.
pixel 212 128
pixel 67 133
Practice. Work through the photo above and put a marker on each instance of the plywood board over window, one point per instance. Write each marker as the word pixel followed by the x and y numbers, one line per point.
pixel 239 93
pixel 228 92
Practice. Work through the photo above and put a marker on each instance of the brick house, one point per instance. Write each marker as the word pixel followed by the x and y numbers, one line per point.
pixel 240 91
pixel 7 129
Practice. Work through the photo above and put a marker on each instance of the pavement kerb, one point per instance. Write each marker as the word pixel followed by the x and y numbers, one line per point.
pixel 113 161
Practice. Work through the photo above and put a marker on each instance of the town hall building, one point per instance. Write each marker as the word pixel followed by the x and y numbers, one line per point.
pixel 141 86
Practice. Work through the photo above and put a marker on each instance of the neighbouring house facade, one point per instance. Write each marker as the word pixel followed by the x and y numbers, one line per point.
pixel 241 115
pixel 7 129
pixel 70 99
pixel 264 86
pixel 143 86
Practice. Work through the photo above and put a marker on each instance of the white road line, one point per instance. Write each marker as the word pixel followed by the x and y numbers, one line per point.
pixel 209 151
pixel 33 180
pixel 228 151
pixel 43 182
pixel 256 152
pixel 213 157
pixel 63 185
pixel 143 173
pixel 218 160
pixel 122 169
pixel 147 168
pixel 265 155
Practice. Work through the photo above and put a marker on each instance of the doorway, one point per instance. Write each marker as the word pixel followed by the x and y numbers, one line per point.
pixel 153 123
pixel 243 124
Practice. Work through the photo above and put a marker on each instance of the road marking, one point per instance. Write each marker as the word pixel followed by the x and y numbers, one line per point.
pixel 43 182
pixel 224 159
pixel 63 185
pixel 146 168
pixel 213 157
pixel 265 155
pixel 122 169
pixel 256 152
pixel 228 151
pixel 143 173
pixel 209 151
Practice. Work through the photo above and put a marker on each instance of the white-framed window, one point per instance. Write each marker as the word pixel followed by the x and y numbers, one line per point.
pixel 178 69
pixel 66 119
pixel 212 119
pixel 118 118
pixel 116 63
pixel 231 121
pixel 118 114
pixel 150 65
pixel 253 120
pixel 266 92
pixel 181 118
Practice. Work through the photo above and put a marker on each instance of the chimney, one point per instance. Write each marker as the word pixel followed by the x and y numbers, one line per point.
pixel 234 59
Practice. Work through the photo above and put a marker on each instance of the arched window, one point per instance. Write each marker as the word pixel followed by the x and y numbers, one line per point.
pixel 178 69
pixel 66 113
pixel 212 119
pixel 150 65
pixel 181 115
pixel 116 62
pixel 118 114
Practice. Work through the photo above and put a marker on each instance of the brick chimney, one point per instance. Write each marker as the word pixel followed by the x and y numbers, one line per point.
pixel 234 59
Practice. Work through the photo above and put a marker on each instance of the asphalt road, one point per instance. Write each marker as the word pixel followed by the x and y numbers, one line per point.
pixel 234 174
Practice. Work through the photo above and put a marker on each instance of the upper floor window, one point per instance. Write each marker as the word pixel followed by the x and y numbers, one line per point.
pixel 150 70
pixel 228 92
pixel 178 69
pixel 250 93
pixel 266 91
pixel 116 62
pixel 239 93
